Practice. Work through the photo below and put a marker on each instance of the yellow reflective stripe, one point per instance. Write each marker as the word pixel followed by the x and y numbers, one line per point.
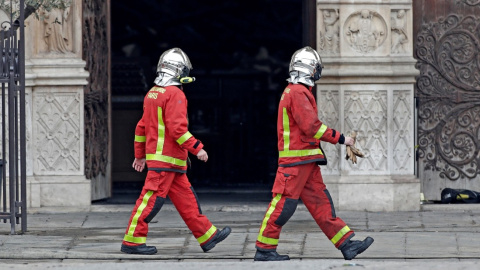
pixel 160 141
pixel 261 238
pixel 140 138
pixel 134 222
pixel 166 159
pixel 340 234
pixel 320 132
pixel 286 130
pixel 161 131
pixel 268 241
pixel 136 240
pixel 300 153
pixel 207 235
pixel 286 140
pixel 184 138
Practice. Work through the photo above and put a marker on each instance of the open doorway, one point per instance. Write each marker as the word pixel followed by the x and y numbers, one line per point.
pixel 240 52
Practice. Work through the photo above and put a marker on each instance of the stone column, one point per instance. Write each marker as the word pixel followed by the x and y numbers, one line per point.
pixel 367 87
pixel 55 76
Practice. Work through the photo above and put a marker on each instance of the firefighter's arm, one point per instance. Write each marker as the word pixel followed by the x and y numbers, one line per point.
pixel 307 120
pixel 177 124
pixel 140 140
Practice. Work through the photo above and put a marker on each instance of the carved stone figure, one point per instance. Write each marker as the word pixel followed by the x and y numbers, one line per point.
pixel 365 31
pixel 329 36
pixel 57 30
pixel 399 32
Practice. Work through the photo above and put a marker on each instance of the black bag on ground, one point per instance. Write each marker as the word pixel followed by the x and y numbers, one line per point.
pixel 450 195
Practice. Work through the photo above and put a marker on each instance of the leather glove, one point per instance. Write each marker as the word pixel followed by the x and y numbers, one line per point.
pixel 352 151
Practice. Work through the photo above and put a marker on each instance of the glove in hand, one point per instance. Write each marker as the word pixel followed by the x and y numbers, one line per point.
pixel 352 151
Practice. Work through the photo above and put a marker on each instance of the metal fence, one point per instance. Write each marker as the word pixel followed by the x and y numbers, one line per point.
pixel 13 192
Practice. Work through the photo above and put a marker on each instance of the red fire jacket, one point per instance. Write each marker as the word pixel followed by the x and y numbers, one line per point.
pixel 162 135
pixel 299 130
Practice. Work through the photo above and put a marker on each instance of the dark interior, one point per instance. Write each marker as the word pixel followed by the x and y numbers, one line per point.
pixel 240 51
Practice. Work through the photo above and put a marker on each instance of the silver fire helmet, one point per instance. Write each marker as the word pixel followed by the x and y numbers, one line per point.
pixel 305 66
pixel 173 68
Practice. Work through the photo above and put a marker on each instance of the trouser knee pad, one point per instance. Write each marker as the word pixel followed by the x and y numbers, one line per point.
pixel 289 208
pixel 159 201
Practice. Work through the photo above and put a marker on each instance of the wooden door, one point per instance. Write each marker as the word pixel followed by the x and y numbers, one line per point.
pixel 96 52
pixel 447 46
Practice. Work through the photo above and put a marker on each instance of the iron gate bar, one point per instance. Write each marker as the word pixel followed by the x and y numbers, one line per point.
pixel 12 78
pixel 23 134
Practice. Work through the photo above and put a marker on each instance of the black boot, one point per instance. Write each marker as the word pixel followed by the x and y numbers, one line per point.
pixel 142 249
pixel 261 255
pixel 219 237
pixel 353 248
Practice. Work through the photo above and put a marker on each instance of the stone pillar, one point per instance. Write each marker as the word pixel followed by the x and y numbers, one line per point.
pixel 367 87
pixel 55 76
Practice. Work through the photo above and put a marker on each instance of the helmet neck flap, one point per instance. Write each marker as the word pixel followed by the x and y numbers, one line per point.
pixel 164 79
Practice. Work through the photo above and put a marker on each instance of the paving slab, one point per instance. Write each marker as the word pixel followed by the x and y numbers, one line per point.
pixel 433 238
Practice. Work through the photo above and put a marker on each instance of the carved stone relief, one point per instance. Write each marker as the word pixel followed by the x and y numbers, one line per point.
pixel 28 128
pixel 399 31
pixel 448 90
pixel 366 113
pixel 57 122
pixel 329 33
pixel 471 2
pixel 58 30
pixel 4 20
pixel 328 113
pixel 365 31
pixel 402 132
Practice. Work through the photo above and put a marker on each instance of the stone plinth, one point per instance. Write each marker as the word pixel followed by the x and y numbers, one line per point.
pixel 55 78
pixel 367 87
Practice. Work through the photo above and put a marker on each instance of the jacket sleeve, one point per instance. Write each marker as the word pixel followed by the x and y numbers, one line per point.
pixel 140 140
pixel 307 120
pixel 177 123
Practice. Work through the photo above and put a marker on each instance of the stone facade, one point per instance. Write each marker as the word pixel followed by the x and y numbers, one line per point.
pixel 367 87
pixel 55 77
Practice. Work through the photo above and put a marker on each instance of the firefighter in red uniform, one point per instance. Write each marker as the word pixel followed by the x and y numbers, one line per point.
pixel 298 176
pixel 162 141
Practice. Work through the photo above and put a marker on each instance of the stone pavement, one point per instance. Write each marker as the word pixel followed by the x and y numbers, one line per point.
pixel 439 236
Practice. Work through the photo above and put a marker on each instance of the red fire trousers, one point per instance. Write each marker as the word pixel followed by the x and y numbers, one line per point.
pixel 305 182
pixel 157 186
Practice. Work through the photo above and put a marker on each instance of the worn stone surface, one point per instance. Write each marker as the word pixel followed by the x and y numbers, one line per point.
pixel 433 238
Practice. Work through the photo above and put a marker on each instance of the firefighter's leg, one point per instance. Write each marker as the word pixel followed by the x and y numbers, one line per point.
pixel 319 203
pixel 317 199
pixel 147 206
pixel 186 202
pixel 279 211
pixel 289 182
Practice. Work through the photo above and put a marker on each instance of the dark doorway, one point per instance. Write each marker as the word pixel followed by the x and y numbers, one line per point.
pixel 240 51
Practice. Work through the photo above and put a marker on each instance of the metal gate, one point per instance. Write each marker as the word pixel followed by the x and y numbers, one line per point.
pixel 448 95
pixel 13 156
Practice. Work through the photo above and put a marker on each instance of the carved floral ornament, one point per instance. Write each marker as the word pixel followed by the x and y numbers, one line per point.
pixel 448 89
pixel 56 18
pixel 471 2
pixel 12 6
pixel 365 31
